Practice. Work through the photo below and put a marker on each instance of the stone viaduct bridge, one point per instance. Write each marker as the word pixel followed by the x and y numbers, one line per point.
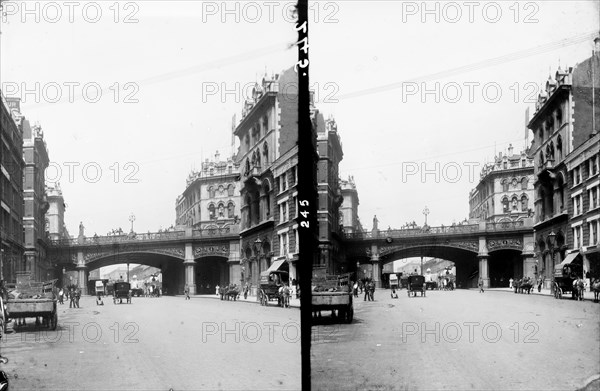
pixel 492 251
pixel 184 257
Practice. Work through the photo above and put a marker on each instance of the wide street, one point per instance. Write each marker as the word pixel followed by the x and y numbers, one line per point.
pixel 158 344
pixel 459 340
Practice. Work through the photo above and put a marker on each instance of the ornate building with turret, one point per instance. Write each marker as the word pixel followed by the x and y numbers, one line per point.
pixel 505 189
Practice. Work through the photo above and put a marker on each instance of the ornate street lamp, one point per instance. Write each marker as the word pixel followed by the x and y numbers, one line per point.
pixel 132 219
pixel 426 212
pixel 551 243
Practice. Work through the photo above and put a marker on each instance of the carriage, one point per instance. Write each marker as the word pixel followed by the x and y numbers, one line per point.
pixel 122 290
pixel 416 283
pixel 31 299
pixel 566 274
pixel 332 293
pixel 270 284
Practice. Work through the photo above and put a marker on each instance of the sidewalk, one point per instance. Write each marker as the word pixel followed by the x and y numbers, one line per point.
pixel 587 295
pixel 295 303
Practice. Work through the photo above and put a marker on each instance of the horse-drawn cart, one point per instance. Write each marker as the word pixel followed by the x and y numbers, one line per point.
pixel 567 275
pixel 270 284
pixel 416 284
pixel 31 299
pixel 332 293
pixel 122 290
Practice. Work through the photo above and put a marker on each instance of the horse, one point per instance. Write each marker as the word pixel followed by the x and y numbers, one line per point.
pixel 578 288
pixel 596 288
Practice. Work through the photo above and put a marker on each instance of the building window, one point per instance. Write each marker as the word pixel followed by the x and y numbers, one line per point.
pixel 221 191
pixel 283 182
pixel 230 190
pixel 283 212
pixel 296 242
pixel 594 197
pixel 505 185
pixel 230 210
pixel 221 211
pixel 211 192
pixel 505 205
pixel 265 124
pixel 266 153
pixel 295 203
pixel 211 212
pixel 524 202
pixel 515 204
pixel 593 166
pixel 593 228
pixel 576 176
pixel 283 244
pixel 577 237
pixel 524 183
pixel 559 147
pixel 577 205
pixel 294 177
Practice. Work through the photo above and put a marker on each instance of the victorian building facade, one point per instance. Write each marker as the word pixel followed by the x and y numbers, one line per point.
pixel 211 198
pixel 329 148
pixel 267 157
pixel 505 189
pixel 12 245
pixel 566 116
pixel 35 202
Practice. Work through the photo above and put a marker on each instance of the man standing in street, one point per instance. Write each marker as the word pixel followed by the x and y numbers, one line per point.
pixel 72 298
pixel 77 297
pixel 480 284
pixel 187 292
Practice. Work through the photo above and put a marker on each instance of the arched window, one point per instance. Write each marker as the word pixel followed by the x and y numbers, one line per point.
pixel 559 146
pixel 221 210
pixel 515 203
pixel 524 183
pixel 230 210
pixel 247 170
pixel 211 212
pixel 524 202
pixel 258 160
pixel 542 133
pixel 253 158
pixel 221 191
pixel 267 199
pixel 230 190
pixel 559 116
pixel 505 206
pixel 551 150
pixel 504 185
pixel 211 192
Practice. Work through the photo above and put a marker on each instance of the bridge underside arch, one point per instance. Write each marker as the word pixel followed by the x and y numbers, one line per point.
pixel 504 265
pixel 466 261
pixel 171 267
pixel 211 271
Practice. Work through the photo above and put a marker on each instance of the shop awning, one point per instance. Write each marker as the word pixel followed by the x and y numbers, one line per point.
pixel 276 265
pixel 567 261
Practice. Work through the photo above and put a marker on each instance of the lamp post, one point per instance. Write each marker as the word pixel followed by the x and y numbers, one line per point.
pixel 132 219
pixel 426 212
pixel 551 243
pixel 357 270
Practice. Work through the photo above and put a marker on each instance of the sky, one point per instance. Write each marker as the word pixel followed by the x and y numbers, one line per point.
pixel 165 67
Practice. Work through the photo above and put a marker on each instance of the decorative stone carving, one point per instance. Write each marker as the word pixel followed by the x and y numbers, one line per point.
pixel 203 251
pixel 515 244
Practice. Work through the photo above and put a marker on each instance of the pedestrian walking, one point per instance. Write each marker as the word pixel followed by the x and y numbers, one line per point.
pixel 540 283
pixel 187 292
pixel 355 289
pixel 72 299
pixel 77 297
pixel 510 283
pixel 60 296
pixel 480 285
pixel 246 291
pixel 367 294
pixel 372 291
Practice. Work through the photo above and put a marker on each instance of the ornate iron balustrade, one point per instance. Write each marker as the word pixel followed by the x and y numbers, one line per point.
pixel 147 237
pixel 411 232
pixel 506 225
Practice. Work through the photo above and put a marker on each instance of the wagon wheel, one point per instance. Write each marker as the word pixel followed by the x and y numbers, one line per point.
pixel 53 321
pixel 349 315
